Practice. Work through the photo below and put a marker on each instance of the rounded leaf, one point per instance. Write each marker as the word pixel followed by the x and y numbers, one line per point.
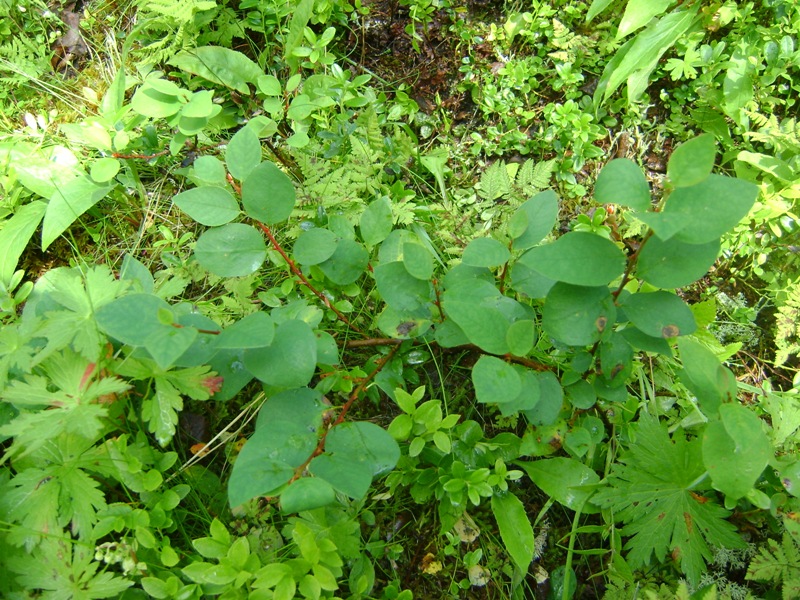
pixel 578 316
pixel 622 182
pixel 307 493
pixel 691 162
pixel 347 263
pixel 208 205
pixel 290 360
pixel 674 264
pixel 533 220
pixel 659 314
pixel 104 169
pixel 376 222
pixel 243 153
pixel 485 252
pixel 562 479
pixel 233 250
pixel 256 330
pixel 495 380
pixel 268 194
pixel 578 258
pixel 314 246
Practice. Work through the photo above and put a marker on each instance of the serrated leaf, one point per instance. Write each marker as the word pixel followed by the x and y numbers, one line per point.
pixel 495 182
pixel 651 491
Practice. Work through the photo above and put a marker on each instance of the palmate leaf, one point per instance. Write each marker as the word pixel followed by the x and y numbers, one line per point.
pixel 654 491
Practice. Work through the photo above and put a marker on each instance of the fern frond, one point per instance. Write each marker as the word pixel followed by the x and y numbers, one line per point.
pixel 780 564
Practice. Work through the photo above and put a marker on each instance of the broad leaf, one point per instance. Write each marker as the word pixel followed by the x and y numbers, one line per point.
pixel 290 360
pixel 515 528
pixel 268 194
pixel 485 252
pixel 578 316
pixel 654 490
pixel 400 290
pixel 702 373
pixel 307 493
pixel 243 153
pixel 219 65
pixel 674 264
pixel 735 450
pixel 256 330
pixel 563 479
pixel 67 204
pixel 578 258
pixel 622 182
pixel 638 14
pixel 691 162
pixel 347 263
pixel 376 222
pixel 495 380
pixel 233 250
pixel 659 314
pixel 314 246
pixel 15 235
pixel 208 205
pixel 533 220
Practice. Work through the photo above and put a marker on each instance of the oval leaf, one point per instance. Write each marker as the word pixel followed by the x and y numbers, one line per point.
pixel 208 205
pixel 692 161
pixel 307 493
pixel 314 246
pixel 515 529
pixel 533 220
pixel 485 252
pixel 495 380
pixel 291 358
pixel 562 479
pixel 233 250
pixel 659 314
pixel 578 258
pixel 243 153
pixel 268 194
pixel 674 264
pixel 622 182
pixel 578 316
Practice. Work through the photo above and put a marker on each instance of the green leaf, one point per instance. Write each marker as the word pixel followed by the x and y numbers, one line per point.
pixel 495 380
pixel 290 360
pixel 622 182
pixel 302 405
pixel 355 452
pixel 401 290
pixel 132 319
pixel 418 260
pixel 268 194
pixel 515 529
pixel 307 493
pixel 578 316
pixel 167 344
pixel 703 212
pixel 67 204
pixel 314 246
pixel 15 235
pixel 737 87
pixel 596 8
pixel 638 13
pixel 521 336
pixel 208 205
pixel 485 252
pixel 564 479
pixel 659 314
pixel 104 169
pixel 551 399
pixel 641 54
pixel 476 308
pixel 735 450
pixel 651 489
pixel 533 220
pixel 347 263
pixel 691 162
pixel 268 459
pixel 702 373
pixel 159 98
pixel 233 250
pixel 219 65
pixel 256 330
pixel 243 153
pixel 376 221
pixel 673 264
pixel 578 258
